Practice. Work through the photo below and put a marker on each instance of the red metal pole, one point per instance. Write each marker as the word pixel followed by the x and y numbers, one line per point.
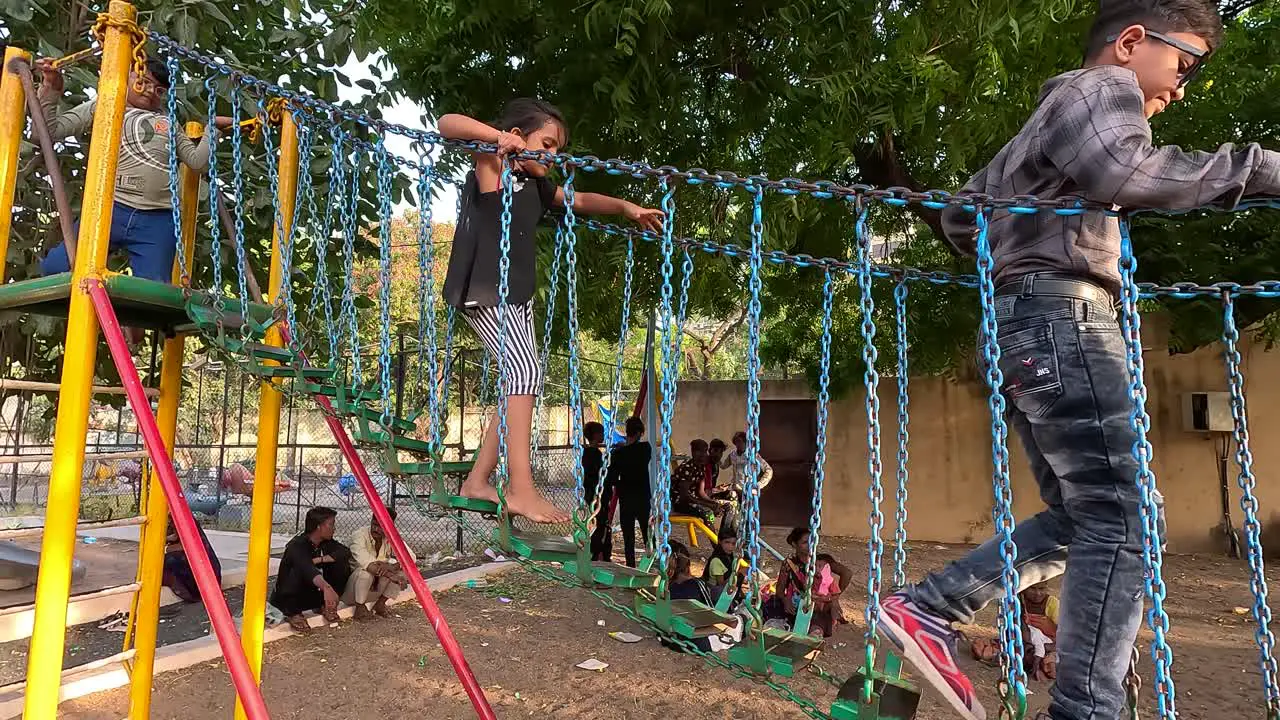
pixel 183 521
pixel 450 644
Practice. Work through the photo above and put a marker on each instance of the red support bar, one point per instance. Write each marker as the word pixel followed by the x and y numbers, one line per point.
pixel 450 644
pixel 184 522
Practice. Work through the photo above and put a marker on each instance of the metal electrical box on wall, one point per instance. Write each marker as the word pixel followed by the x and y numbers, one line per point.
pixel 1207 412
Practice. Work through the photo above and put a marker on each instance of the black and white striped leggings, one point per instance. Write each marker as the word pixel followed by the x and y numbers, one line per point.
pixel 523 369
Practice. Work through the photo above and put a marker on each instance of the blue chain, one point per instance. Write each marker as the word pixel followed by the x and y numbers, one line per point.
pixel 215 225
pixel 237 169
pixel 1140 422
pixel 302 188
pixel 904 436
pixel 548 323
pixel 427 341
pixel 503 359
pixel 384 280
pixel 1013 686
pixel 820 456
pixel 171 96
pixel 337 196
pixel 875 489
pixel 575 387
pixel 615 394
pixel 661 518
pixel 347 308
pixel 751 486
pixel 1249 504
pixel 682 309
pixel 450 316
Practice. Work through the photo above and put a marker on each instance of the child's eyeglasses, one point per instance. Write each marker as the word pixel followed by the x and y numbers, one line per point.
pixel 1201 56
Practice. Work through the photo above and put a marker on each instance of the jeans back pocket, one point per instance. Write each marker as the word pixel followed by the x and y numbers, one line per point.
pixel 1029 361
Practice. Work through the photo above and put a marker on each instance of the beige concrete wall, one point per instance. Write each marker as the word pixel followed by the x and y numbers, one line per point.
pixel 950 465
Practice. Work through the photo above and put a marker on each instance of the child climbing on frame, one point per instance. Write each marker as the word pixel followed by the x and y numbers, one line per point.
pixel 142 214
pixel 1057 283
pixel 471 284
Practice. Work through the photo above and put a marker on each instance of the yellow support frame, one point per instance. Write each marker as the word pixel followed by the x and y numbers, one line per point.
pixel 146 617
pixel 48 637
pixel 13 120
pixel 264 475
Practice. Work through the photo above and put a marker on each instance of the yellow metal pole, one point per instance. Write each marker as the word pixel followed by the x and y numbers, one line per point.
pixel 146 618
pixel 264 473
pixel 48 637
pixel 13 120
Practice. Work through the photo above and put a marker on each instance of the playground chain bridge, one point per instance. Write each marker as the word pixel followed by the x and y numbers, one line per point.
pixel 258 327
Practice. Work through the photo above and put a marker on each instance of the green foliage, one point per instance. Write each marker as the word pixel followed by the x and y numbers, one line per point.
pixel 915 94
pixel 269 40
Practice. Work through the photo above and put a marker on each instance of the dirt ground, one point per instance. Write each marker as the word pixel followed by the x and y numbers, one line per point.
pixel 524 652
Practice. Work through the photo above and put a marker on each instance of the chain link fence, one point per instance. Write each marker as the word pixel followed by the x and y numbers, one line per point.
pixel 215 456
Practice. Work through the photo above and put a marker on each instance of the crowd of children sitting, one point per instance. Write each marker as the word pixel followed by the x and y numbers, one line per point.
pixel 696 492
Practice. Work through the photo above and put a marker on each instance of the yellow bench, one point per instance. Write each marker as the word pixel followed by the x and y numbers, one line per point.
pixel 695 525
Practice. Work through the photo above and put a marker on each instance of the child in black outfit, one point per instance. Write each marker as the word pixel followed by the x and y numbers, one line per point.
pixel 592 464
pixel 629 481
pixel 471 284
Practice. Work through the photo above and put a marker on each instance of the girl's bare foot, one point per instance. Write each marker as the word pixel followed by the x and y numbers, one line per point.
pixel 533 506
pixel 478 488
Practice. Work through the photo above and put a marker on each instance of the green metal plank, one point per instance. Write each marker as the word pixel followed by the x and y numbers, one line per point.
pixel 46 289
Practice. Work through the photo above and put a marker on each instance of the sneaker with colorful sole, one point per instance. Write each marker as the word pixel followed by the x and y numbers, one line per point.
pixel 928 643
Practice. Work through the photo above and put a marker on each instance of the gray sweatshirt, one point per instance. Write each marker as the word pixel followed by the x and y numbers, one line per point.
pixel 1090 139
pixel 142 177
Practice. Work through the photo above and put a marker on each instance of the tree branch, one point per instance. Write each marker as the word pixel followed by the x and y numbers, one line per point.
pixel 880 165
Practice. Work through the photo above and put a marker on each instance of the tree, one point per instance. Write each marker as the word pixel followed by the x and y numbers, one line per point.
pixel 272 41
pixel 890 93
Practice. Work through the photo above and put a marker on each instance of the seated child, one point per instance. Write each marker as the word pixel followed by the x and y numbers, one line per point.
pixel 1039 631
pixel 721 561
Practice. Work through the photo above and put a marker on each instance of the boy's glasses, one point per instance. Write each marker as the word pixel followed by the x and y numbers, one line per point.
pixel 1201 56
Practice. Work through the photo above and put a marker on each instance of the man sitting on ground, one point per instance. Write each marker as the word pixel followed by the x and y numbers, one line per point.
pixel 312 566
pixel 377 575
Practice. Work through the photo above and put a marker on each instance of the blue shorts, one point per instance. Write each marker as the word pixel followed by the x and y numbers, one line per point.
pixel 146 234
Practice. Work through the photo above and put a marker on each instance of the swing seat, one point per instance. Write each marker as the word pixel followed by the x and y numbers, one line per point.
pixel 892 698
pixel 614 575
pixel 688 618
pixel 539 547
pixel 782 652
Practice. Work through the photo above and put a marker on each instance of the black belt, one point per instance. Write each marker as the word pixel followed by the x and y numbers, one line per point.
pixel 1059 285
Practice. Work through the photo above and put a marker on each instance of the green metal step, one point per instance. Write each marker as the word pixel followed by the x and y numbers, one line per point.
pixel 286 371
pixel 777 652
pixel 539 547
pixel 687 618
pixel 208 319
pixel 893 698
pixel 367 434
pixel 398 424
pixel 137 302
pixel 332 391
pixel 611 574
pixel 458 502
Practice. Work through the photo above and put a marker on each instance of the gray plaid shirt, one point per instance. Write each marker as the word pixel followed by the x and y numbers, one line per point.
pixel 1090 139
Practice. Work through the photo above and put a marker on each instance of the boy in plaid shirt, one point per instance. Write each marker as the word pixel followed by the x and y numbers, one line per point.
pixel 1063 357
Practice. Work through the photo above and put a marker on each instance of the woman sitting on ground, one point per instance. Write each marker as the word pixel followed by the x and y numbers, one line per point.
pixel 832 577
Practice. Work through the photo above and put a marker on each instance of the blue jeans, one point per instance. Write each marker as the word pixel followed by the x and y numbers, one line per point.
pixel 146 234
pixel 1063 360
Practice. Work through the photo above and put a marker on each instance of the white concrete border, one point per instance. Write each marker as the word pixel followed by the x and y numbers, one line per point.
pixel 205 649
